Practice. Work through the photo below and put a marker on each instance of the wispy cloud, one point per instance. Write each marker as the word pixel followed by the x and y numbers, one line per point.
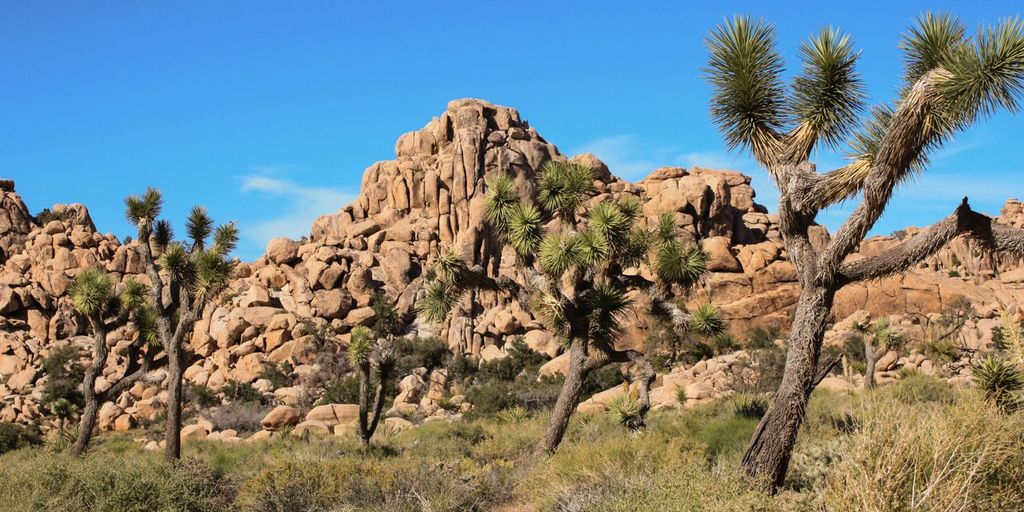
pixel 297 206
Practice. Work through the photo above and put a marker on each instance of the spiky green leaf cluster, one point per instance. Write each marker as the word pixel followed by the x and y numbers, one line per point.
pixel 145 208
pixel 605 306
pixel 624 409
pixel 829 95
pixel 562 187
pixel 1001 381
pixel 679 263
pixel 501 199
pixel 745 70
pixel 439 300
pixel 199 226
pixel 560 252
pixel 134 295
pixel 524 229
pixel 91 291
pixel 163 234
pixel 360 346
pixel 707 320
pixel 225 239
pixel 145 319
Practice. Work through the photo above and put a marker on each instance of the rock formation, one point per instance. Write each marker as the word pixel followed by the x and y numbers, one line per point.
pixel 428 198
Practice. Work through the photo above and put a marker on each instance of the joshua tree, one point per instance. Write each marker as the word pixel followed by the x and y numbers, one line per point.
pixel 368 354
pixel 704 322
pixel 372 350
pixel 92 294
pixel 184 276
pixel 951 80
pixel 573 264
pixel 878 338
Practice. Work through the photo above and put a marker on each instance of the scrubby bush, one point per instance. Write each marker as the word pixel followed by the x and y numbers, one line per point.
pixel 64 374
pixel 240 416
pixel 750 406
pixel 519 358
pixel 235 391
pixel 920 388
pixel 32 480
pixel 1000 380
pixel 14 436
pixel 963 456
pixel 199 396
pixel 279 374
pixel 344 390
pixel 412 353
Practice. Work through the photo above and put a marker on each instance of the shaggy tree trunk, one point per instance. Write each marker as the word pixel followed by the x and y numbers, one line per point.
pixel 89 395
pixel 869 371
pixel 768 454
pixel 568 398
pixel 364 403
pixel 172 450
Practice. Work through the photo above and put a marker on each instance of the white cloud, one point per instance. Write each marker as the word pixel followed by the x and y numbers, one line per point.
pixel 297 206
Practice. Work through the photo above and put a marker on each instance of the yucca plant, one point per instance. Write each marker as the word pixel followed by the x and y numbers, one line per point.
pixel 513 415
pixel 93 295
pixel 1001 380
pixel 625 409
pixel 878 339
pixel 191 273
pixel 951 80
pixel 1013 336
pixel 573 258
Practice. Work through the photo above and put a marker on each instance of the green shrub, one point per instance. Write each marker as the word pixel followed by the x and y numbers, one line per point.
pixel 235 391
pixel 33 480
pixel 64 374
pixel 14 436
pixel 750 406
pixel 919 388
pixel 241 416
pixel 200 396
pixel 681 395
pixel 964 456
pixel 513 415
pixel 520 358
pixel 279 374
pixel 625 409
pixel 762 337
pixel 341 391
pixel 412 353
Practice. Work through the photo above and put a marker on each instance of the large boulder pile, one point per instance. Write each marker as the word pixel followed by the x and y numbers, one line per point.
pixel 431 198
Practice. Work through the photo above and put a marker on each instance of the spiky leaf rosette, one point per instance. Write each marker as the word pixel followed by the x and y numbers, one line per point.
pixel 563 186
pixel 625 409
pixel 707 320
pixel 450 269
pixel 134 295
pixel 225 239
pixel 631 207
pixel 678 263
pixel 560 252
pixel 931 43
pixel 606 305
pixel 551 309
pixel 144 320
pixel 177 262
pixel 199 226
pixel 593 247
pixel 441 297
pixel 91 291
pixel 745 71
pixel 144 208
pixel 1000 380
pixel 360 347
pixel 163 234
pixel 1013 336
pixel 828 95
pixel 212 273
pixel 666 229
pixel 524 228
pixel 501 199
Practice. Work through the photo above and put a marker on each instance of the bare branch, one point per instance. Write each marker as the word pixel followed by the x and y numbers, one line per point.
pixel 963 221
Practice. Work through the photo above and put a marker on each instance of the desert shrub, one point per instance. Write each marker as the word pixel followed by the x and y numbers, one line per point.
pixel 240 416
pixel 624 409
pixel 812 463
pixel 768 365
pixel 750 406
pixel 647 473
pixel 374 485
pixel 235 391
pixel 520 358
pixel 963 456
pixel 940 349
pixel 762 337
pixel 32 480
pixel 512 415
pixel 64 374
pixel 726 434
pixel 412 353
pixel 45 216
pixel 279 374
pixel 920 388
pixel 199 396
pixel 341 391
pixel 490 398
pixel 681 395
pixel 14 436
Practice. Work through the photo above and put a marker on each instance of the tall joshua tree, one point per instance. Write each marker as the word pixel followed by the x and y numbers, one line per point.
pixel 370 354
pixel 92 294
pixel 951 80
pixel 184 276
pixel 572 257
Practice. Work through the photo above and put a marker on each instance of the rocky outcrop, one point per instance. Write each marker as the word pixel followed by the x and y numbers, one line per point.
pixel 430 197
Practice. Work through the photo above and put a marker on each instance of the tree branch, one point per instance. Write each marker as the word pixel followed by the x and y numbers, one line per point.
pixel 963 221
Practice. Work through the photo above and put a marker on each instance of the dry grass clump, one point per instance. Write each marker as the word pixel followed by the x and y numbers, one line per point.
pixel 931 457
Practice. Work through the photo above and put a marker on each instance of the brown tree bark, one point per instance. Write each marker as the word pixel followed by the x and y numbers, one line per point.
pixel 869 357
pixel 568 398
pixel 89 395
pixel 172 433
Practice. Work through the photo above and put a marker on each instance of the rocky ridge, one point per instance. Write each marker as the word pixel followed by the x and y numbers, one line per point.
pixel 428 198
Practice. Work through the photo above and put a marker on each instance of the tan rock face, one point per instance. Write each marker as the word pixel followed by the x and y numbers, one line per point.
pixel 282 250
pixel 280 417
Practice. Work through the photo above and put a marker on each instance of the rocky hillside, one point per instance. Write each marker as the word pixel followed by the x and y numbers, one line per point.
pixel 431 197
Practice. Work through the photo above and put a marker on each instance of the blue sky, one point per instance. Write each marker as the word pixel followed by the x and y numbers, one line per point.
pixel 268 112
